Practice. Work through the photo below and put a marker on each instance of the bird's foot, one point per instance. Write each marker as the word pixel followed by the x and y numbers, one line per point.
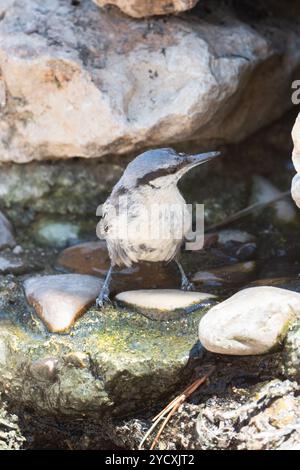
pixel 186 285
pixel 103 299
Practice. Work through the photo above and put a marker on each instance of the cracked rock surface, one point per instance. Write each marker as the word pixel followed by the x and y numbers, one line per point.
pixel 137 83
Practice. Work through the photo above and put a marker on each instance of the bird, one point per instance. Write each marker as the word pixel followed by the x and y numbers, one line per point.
pixel 145 200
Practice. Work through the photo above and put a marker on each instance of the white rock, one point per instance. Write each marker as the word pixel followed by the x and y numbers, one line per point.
pixel 265 191
pixel 60 299
pixel 234 235
pixel 6 232
pixel 162 300
pixel 252 321
pixel 104 84
pixel 143 8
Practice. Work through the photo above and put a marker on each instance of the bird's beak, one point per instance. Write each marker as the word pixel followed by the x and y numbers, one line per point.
pixel 194 160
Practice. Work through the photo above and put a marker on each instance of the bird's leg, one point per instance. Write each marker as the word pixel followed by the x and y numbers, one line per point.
pixel 103 297
pixel 185 283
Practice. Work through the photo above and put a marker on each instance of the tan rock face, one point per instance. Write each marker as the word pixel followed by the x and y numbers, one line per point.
pixel 143 8
pixel 60 300
pixel 104 83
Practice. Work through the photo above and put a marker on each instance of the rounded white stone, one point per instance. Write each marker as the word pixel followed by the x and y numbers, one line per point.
pixel 252 321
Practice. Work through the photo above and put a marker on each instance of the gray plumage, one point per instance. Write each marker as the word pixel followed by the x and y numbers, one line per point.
pixel 149 183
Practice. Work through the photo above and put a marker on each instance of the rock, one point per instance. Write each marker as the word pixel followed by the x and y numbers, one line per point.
pixel 143 8
pixel 11 437
pixel 234 235
pixel 18 250
pixel 267 417
pixel 44 369
pixel 232 274
pixel 253 321
pixel 163 303
pixel 59 300
pixel 60 187
pixel 110 364
pixel 136 83
pixel 56 233
pixel 264 191
pixel 6 233
pixel 11 264
pixel 291 352
pixel 92 258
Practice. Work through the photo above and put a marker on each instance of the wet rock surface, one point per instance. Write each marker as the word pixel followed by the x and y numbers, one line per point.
pixel 143 8
pixel 112 362
pixel 92 258
pixel 208 66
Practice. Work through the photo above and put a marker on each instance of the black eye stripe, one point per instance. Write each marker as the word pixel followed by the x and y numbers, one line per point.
pixel 171 170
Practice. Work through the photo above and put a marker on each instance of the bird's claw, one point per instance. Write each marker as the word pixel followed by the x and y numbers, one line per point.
pixel 102 300
pixel 186 285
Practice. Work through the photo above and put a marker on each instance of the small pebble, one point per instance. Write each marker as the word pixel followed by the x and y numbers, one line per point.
pixel 235 236
pixel 56 233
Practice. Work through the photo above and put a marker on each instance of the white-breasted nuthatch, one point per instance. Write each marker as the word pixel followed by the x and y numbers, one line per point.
pixel 146 218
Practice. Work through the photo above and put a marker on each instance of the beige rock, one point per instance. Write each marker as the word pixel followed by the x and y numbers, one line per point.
pixel 143 8
pixel 253 321
pixel 159 302
pixel 264 191
pixel 6 232
pixel 59 300
pixel 119 85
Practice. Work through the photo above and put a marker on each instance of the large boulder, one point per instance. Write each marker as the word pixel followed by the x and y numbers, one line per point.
pixel 112 362
pixel 104 83
pixel 143 8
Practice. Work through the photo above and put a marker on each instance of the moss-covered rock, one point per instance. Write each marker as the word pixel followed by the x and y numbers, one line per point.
pixel 126 361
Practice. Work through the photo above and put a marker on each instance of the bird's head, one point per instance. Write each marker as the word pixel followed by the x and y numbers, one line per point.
pixel 161 167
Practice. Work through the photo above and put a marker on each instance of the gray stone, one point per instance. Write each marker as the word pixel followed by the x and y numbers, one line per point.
pixel 56 233
pixel 144 8
pixel 253 321
pixel 119 85
pixel 234 235
pixel 11 264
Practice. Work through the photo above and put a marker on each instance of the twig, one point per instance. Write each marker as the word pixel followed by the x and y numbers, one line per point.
pixel 171 409
pixel 247 211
